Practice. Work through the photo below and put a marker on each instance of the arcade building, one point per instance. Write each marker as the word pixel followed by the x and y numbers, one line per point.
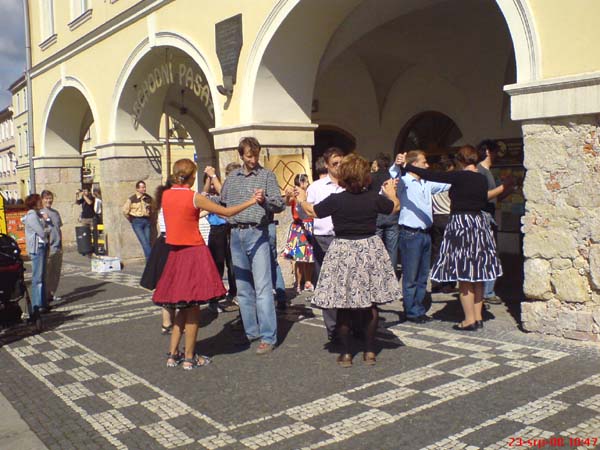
pixel 122 88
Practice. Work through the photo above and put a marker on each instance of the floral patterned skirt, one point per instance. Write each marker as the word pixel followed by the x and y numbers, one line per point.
pixel 298 246
pixel 356 274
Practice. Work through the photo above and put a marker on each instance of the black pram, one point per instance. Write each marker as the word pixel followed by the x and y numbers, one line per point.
pixel 12 284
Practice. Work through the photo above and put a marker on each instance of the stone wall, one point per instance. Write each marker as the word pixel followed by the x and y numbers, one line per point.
pixel 119 176
pixel 562 227
pixel 64 183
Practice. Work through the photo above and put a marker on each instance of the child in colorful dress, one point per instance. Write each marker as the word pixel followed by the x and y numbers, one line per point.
pixel 298 247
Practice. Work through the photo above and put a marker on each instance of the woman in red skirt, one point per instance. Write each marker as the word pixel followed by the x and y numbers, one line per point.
pixel 190 276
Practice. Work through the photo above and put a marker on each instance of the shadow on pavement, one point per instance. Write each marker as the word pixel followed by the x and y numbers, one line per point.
pixel 83 292
pixel 384 338
pixel 23 329
pixel 509 287
pixel 231 338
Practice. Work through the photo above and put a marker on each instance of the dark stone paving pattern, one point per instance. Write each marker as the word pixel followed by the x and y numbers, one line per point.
pixel 96 379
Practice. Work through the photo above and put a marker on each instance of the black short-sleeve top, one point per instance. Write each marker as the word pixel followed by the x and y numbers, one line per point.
pixel 354 215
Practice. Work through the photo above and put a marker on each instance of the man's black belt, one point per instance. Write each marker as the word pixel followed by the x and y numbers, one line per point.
pixel 414 230
pixel 244 226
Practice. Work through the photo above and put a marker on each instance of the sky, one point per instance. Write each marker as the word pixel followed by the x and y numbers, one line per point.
pixel 12 46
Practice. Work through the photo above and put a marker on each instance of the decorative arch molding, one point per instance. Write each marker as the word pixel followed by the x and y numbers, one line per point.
pixel 162 39
pixel 266 32
pixel 525 39
pixel 517 15
pixel 63 83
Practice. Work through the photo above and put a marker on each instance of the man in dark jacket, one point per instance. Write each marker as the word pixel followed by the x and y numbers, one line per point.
pixel 387 224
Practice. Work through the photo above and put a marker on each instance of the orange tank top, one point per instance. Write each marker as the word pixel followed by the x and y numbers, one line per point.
pixel 181 216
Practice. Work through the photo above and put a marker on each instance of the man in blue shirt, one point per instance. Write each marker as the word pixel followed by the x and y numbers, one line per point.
pixel 415 221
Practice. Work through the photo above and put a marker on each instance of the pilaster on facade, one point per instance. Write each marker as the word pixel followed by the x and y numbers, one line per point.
pixel 564 96
pixel 562 227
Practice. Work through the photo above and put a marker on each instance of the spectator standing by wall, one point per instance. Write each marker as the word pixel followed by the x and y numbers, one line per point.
pixel 138 209
pixel 36 241
pixel 54 259
pixel 86 200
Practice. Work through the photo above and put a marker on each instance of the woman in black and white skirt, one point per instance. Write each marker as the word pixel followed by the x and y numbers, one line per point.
pixel 357 273
pixel 468 251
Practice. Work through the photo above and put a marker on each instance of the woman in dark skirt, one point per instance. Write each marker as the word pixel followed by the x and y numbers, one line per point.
pixel 468 251
pixel 158 258
pixel 357 273
pixel 190 276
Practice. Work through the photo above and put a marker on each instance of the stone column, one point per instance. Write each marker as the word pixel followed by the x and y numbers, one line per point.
pixel 121 166
pixel 562 227
pixel 62 176
pixel 275 140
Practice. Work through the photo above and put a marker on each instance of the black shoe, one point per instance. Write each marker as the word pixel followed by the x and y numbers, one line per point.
pixel 448 289
pixel 419 320
pixel 493 300
pixel 227 306
pixel 460 327
pixel 281 306
pixel 479 324
pixel 241 340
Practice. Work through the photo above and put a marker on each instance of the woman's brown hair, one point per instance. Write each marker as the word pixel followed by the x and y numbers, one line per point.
pixel 354 173
pixel 32 200
pixel 183 171
pixel 466 156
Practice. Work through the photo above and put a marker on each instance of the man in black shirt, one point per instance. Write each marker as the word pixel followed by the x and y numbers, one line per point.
pixel 387 224
pixel 488 151
pixel 86 200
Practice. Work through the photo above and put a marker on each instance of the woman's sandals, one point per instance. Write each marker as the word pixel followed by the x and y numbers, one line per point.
pixel 196 362
pixel 174 359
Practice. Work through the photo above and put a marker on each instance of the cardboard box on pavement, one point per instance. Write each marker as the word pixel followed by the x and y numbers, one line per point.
pixel 105 264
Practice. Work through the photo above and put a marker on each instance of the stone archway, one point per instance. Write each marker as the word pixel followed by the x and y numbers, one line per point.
pixel 287 64
pixel 163 112
pixel 284 59
pixel 69 116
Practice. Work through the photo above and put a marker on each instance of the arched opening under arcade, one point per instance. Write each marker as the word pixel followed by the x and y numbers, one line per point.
pixel 67 161
pixel 373 66
pixel 163 113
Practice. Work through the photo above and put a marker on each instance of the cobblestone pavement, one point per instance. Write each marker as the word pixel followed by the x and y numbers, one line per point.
pixel 96 378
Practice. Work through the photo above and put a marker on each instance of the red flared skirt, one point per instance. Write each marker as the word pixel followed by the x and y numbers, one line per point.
pixel 190 277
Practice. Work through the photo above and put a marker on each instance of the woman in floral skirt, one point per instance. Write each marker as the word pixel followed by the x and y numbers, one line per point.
pixel 298 247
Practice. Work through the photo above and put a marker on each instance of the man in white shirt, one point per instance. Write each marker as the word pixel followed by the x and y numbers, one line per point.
pixel 323 228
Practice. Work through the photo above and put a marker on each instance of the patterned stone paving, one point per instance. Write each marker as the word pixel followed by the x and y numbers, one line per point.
pixel 127 411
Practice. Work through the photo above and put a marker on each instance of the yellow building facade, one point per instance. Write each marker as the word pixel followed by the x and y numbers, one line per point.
pixel 114 81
